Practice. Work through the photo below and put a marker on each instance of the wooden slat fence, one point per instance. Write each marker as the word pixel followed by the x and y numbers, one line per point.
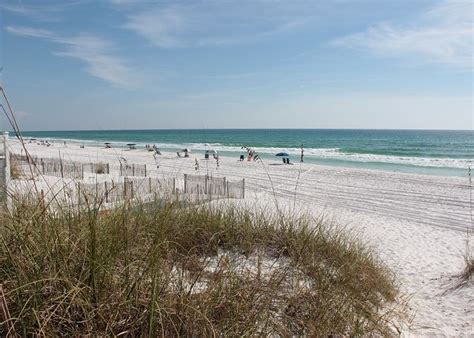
pixel 56 167
pixel 208 186
pixel 133 169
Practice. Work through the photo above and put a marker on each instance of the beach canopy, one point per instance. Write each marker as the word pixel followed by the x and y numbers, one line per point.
pixel 282 155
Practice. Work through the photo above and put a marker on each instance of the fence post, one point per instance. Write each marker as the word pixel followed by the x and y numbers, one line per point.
pixel 131 188
pixel 61 167
pixel 225 187
pixel 243 188
pixel 185 183
pixel 6 171
pixel 174 186
pixel 133 169
pixel 206 184
pixel 108 168
pixel 145 170
pixel 149 184
pixel 106 193
pixel 42 166
pixel 125 188
pixel 209 188
pixel 79 195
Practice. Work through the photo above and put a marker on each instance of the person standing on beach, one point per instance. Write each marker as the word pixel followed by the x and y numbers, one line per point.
pixel 302 153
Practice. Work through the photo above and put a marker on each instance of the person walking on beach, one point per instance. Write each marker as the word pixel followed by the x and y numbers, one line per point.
pixel 302 153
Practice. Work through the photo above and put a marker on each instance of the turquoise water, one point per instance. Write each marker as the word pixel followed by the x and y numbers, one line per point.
pixel 423 151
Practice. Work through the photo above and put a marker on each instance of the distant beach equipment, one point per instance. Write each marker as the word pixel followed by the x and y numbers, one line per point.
pixel 108 145
pixel 131 146
pixel 282 155
pixel 210 152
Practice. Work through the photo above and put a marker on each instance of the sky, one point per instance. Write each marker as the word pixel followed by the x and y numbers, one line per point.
pixel 123 64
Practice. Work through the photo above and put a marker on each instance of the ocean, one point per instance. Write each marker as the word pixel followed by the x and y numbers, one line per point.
pixel 420 151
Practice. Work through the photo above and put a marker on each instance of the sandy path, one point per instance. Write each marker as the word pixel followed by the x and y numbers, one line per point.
pixel 415 222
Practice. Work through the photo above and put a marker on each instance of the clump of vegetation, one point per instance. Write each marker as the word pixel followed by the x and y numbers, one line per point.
pixel 171 270
pixel 100 168
pixel 468 272
pixel 15 172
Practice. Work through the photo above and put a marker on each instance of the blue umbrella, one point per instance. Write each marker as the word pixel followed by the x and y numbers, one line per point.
pixel 282 155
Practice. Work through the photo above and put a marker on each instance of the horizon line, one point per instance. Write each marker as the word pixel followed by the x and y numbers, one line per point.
pixel 188 129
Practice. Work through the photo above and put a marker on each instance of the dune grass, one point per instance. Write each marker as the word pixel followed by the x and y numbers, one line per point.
pixel 169 270
pixel 15 171
pixel 468 272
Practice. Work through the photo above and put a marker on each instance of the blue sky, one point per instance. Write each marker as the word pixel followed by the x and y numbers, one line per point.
pixel 122 64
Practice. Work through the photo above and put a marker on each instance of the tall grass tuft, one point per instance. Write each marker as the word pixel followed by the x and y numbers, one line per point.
pixel 173 270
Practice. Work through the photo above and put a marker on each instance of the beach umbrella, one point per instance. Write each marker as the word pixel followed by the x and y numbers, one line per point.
pixel 211 151
pixel 282 155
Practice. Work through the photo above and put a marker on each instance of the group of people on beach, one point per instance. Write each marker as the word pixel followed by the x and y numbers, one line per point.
pixel 154 148
pixel 251 154
pixel 40 142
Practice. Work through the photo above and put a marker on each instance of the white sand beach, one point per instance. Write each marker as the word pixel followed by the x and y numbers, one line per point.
pixel 416 223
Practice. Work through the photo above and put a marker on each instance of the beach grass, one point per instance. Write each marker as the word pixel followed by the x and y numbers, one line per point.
pixel 468 272
pixel 171 270
pixel 15 172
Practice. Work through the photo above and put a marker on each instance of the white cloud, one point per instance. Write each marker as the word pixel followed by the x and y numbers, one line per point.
pixel 94 51
pixel 441 35
pixel 160 26
pixel 32 32
pixel 210 23
pixel 44 11
pixel 250 37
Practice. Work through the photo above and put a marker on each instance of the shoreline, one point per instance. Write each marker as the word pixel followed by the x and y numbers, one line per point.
pixel 319 156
